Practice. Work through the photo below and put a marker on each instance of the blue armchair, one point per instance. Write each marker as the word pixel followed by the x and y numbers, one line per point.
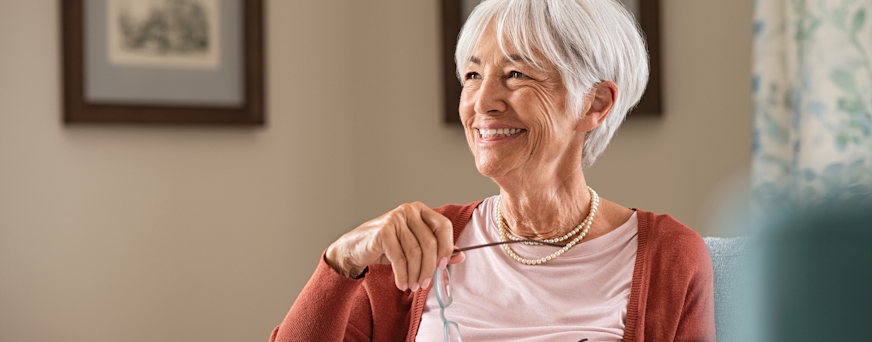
pixel 730 260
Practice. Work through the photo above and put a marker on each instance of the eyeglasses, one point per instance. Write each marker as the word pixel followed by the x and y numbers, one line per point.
pixel 443 287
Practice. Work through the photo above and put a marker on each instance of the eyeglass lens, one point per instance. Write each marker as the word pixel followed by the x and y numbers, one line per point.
pixel 452 332
pixel 443 295
pixel 443 287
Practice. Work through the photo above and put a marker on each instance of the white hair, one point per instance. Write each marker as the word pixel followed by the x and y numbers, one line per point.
pixel 589 41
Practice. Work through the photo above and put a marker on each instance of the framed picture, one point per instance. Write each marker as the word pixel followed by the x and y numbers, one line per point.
pixel 455 12
pixel 163 61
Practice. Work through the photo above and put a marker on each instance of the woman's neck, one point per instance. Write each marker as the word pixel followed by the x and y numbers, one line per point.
pixel 547 208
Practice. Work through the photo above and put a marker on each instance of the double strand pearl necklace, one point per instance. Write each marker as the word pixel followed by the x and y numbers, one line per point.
pixel 583 227
pixel 586 223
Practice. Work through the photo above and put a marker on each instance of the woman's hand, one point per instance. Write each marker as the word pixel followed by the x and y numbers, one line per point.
pixel 412 238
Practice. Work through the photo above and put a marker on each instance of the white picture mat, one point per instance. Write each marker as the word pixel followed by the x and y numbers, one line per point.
pixel 156 85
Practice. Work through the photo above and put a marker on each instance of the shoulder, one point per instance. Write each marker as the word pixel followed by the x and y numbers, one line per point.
pixel 664 227
pixel 458 213
pixel 667 240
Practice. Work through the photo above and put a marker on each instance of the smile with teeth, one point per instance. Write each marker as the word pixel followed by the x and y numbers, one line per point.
pixel 499 132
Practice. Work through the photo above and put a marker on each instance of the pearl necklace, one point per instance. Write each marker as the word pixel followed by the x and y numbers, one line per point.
pixel 594 204
pixel 583 227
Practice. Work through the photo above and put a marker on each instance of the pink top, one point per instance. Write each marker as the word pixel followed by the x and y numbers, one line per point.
pixel 580 294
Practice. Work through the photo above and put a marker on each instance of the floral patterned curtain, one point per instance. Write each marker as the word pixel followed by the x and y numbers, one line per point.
pixel 812 102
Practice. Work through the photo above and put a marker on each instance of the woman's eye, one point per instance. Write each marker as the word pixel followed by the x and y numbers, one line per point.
pixel 515 74
pixel 472 76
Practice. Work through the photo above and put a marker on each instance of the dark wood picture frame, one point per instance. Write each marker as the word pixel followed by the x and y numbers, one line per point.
pixel 78 110
pixel 649 20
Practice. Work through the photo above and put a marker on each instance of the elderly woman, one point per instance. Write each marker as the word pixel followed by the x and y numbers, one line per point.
pixel 545 85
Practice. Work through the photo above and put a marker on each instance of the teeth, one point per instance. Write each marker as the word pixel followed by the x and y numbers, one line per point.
pixel 501 132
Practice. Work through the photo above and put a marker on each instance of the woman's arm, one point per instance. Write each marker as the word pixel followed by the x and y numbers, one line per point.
pixel 697 321
pixel 673 297
pixel 331 307
pixel 334 306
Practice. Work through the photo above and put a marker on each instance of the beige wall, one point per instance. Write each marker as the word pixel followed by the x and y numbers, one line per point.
pixel 175 234
pixel 127 233
pixel 403 150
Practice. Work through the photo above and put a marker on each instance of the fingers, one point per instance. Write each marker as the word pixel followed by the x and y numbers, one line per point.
pixel 394 252
pixel 443 231
pixel 425 237
pixel 401 246
pixel 420 249
pixel 413 238
pixel 456 259
pixel 440 246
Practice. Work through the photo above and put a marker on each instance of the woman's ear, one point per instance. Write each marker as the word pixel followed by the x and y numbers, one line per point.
pixel 598 103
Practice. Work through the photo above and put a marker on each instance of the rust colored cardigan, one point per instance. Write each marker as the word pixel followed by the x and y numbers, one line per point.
pixel 671 295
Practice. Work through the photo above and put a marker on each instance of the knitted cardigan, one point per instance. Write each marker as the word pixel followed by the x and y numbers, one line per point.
pixel 671 294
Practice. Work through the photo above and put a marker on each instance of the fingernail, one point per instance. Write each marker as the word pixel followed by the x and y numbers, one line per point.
pixel 443 262
pixel 415 287
pixel 405 287
pixel 426 283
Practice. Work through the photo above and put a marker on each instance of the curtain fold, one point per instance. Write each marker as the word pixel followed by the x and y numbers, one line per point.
pixel 812 102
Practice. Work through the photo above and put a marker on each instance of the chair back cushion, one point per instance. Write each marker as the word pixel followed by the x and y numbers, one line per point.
pixel 731 261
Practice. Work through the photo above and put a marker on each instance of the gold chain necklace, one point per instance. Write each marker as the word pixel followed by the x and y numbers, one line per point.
pixel 505 235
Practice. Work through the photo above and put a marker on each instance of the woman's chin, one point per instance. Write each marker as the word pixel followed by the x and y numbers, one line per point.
pixel 491 169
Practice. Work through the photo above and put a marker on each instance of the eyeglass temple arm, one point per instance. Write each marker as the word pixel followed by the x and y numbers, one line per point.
pixel 506 242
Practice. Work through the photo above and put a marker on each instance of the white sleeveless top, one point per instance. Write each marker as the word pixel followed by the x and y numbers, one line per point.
pixel 581 294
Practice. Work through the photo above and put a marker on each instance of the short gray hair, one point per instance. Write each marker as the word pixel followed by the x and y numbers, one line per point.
pixel 589 41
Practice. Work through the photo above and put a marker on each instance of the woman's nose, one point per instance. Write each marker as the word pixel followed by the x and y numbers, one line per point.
pixel 490 97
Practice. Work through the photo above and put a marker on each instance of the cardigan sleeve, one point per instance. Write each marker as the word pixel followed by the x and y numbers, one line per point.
pixel 331 307
pixel 697 315
pixel 677 289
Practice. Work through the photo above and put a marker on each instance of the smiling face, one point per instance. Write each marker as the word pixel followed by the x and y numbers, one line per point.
pixel 515 116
